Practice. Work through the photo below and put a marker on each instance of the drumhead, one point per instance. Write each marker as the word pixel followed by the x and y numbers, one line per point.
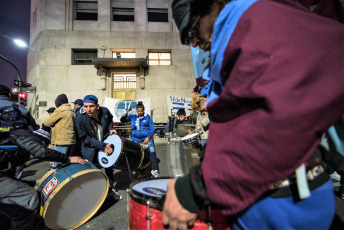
pixel 190 136
pixel 107 161
pixel 153 190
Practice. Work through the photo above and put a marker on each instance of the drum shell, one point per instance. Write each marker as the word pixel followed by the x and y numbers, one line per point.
pixel 64 180
pixel 138 213
pixel 135 154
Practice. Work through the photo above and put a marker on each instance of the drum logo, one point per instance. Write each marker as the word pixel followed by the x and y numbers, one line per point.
pixel 49 187
pixel 104 160
pixel 155 191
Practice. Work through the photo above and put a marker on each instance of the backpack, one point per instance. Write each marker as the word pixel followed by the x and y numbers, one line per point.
pixel 11 118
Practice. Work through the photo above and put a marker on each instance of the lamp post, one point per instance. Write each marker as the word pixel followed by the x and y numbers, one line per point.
pixel 15 67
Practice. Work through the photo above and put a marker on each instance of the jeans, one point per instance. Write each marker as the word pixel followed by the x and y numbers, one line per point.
pixel 62 149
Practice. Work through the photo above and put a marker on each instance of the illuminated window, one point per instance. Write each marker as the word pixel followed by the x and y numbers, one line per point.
pixel 159 58
pixel 123 53
pixel 124 81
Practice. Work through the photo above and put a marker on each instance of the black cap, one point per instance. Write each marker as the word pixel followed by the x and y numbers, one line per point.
pixel 51 110
pixel 181 16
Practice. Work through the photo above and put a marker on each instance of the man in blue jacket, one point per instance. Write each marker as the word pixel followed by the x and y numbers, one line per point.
pixel 91 127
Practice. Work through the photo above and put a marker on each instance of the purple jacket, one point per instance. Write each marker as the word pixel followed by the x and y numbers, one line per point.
pixel 278 77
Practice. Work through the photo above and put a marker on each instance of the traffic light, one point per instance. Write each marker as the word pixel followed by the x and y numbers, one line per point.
pixel 23 98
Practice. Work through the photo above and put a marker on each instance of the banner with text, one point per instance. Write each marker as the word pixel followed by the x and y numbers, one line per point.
pixel 119 107
pixel 175 103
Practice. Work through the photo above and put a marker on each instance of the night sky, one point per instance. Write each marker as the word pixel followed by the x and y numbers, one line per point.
pixel 14 24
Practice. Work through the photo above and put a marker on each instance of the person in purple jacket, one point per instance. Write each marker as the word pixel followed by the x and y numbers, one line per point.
pixel 142 131
pixel 276 86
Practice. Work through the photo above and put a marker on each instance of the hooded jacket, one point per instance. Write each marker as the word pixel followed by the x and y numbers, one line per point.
pixel 141 128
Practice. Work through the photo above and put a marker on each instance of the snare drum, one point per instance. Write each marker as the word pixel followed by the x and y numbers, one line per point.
pixel 71 195
pixel 191 139
pixel 138 158
pixel 146 204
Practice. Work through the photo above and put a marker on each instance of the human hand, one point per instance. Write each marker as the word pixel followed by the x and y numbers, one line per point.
pixel 146 140
pixel 174 134
pixel 113 131
pixel 189 131
pixel 125 114
pixel 173 214
pixel 108 149
pixel 77 160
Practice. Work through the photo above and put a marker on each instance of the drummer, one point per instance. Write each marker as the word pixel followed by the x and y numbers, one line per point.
pixel 19 202
pixel 202 119
pixel 142 130
pixel 91 128
pixel 183 125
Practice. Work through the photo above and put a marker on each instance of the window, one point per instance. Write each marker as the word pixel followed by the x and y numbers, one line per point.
pixel 124 81
pixel 123 14
pixel 159 58
pixel 83 57
pixel 157 15
pixel 86 10
pixel 157 10
pixel 123 10
pixel 123 53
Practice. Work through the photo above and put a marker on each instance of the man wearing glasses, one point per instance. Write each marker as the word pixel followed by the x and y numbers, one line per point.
pixel 274 92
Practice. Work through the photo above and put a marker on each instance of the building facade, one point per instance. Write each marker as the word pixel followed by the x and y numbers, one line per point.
pixel 124 49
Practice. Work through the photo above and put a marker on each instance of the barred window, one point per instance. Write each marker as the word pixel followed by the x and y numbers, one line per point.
pixel 83 57
pixel 124 81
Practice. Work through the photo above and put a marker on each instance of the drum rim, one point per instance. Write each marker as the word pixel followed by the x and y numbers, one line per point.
pixel 190 136
pixel 51 196
pixel 139 197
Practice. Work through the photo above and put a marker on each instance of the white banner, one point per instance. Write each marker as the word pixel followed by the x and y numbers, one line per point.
pixel 175 103
pixel 119 107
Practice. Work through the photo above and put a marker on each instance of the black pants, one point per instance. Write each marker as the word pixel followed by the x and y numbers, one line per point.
pixel 18 204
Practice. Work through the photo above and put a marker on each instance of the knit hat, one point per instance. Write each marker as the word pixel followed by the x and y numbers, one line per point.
pixel 4 90
pixel 60 100
pixel 181 16
pixel 42 135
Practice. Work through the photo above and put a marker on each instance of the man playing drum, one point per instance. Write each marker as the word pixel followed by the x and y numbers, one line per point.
pixel 19 202
pixel 274 92
pixel 91 127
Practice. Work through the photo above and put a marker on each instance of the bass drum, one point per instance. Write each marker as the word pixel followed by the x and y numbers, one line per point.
pixel 71 195
pixel 138 158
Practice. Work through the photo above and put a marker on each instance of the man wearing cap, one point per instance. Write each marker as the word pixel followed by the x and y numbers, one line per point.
pixel 269 102
pixel 91 127
pixel 62 122
pixel 78 103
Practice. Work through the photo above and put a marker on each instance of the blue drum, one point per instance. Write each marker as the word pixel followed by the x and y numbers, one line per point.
pixel 71 195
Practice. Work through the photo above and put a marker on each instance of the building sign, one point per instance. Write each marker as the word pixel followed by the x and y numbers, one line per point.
pixel 119 107
pixel 175 103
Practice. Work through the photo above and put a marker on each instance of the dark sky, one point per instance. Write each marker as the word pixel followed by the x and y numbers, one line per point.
pixel 14 23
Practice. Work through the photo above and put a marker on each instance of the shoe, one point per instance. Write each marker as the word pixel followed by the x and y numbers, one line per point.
pixel 155 173
pixel 335 176
pixel 115 194
pixel 341 195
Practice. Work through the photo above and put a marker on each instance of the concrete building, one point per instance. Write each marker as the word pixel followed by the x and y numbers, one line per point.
pixel 125 49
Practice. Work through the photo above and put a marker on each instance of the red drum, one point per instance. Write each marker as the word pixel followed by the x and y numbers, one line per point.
pixel 146 203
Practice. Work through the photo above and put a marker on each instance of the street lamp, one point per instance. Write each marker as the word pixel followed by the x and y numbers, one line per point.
pixel 20 43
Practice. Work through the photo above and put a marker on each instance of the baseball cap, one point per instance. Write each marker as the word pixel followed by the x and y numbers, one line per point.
pixel 78 101
pixel 91 99
pixel 51 110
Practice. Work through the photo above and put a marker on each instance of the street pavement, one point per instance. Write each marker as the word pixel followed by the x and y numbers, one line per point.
pixel 113 215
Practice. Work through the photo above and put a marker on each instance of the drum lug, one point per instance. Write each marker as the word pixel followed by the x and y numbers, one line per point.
pixel 148 216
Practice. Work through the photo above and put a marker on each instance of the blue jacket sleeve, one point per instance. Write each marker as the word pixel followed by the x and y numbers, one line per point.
pixel 125 119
